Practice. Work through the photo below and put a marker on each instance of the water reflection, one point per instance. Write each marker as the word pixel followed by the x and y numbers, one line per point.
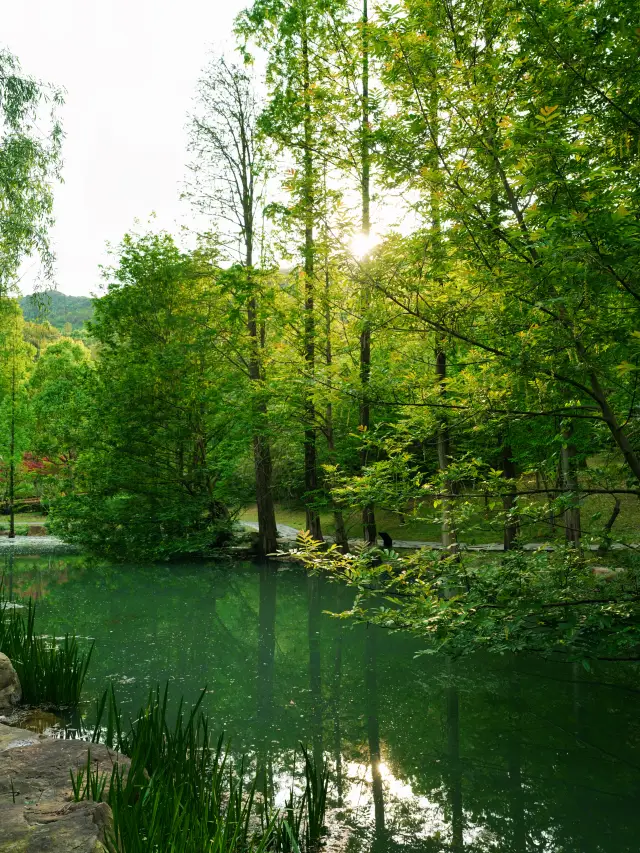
pixel 373 735
pixel 265 676
pixel 425 754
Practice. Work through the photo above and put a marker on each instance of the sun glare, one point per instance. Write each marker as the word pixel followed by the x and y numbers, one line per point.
pixel 362 244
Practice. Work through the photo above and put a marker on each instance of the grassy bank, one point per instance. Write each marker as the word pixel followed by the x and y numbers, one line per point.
pixel 481 525
pixel 22 519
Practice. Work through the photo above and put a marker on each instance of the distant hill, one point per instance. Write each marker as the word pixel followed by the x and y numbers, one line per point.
pixel 58 309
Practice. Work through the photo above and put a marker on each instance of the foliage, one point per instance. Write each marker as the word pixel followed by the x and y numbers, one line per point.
pixel 476 370
pixel 549 603
pixel 60 397
pixel 156 474
pixel 15 362
pixel 88 783
pixel 29 162
pixel 59 309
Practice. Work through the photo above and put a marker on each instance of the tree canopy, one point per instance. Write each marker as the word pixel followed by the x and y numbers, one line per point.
pixel 411 298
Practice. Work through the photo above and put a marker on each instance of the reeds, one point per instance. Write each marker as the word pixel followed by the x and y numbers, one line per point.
pixel 87 783
pixel 51 670
pixel 184 794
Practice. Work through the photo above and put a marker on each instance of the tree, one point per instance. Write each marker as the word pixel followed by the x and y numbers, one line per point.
pixel 29 162
pixel 230 170
pixel 15 360
pixel 155 475
pixel 530 184
pixel 294 119
pixel 60 391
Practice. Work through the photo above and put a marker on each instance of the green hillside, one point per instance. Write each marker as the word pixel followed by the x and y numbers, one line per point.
pixel 58 309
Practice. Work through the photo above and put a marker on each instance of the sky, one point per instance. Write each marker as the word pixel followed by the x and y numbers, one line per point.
pixel 129 68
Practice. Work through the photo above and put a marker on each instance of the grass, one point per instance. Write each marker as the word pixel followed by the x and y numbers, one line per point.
pixel 51 670
pixel 182 792
pixel 23 518
pixel 389 521
pixel 480 529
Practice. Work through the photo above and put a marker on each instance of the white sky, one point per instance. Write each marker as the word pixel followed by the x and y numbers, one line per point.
pixel 130 69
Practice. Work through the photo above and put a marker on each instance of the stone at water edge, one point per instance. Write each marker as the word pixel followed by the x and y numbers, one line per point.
pixel 37 812
pixel 10 690
pixel 55 828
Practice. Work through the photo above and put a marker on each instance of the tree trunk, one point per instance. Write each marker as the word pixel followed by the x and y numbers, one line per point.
pixel 310 432
pixel 449 538
pixel 368 515
pixel 572 531
pixel 267 529
pixel 12 450
pixel 341 533
pixel 511 523
pixel 617 431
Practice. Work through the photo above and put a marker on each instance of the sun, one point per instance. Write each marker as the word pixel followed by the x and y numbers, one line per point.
pixel 361 244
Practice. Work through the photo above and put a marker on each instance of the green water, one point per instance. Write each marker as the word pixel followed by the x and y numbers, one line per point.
pixel 487 754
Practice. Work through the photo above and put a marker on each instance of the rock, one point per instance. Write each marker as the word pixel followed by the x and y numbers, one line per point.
pixel 12 738
pixel 37 812
pixel 34 768
pixel 10 690
pixel 37 530
pixel 55 828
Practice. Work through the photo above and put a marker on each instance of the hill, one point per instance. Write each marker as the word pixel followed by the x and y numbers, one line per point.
pixel 58 309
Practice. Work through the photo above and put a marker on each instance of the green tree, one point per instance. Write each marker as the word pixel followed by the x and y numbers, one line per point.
pixel 29 162
pixel 294 118
pixel 15 361
pixel 156 472
pixel 61 396
pixel 230 171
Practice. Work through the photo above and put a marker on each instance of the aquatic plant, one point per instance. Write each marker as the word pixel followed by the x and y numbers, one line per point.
pixel 183 792
pixel 302 824
pixel 87 783
pixel 51 670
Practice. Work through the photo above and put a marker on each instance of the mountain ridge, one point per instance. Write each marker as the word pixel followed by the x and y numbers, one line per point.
pixel 58 308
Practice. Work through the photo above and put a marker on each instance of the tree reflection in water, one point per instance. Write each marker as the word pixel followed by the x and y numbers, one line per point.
pixel 484 754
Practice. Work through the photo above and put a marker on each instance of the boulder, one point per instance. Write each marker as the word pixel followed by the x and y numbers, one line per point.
pixel 10 690
pixel 34 768
pixel 37 811
pixel 55 828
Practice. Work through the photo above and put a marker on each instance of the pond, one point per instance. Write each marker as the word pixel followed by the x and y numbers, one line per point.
pixel 425 754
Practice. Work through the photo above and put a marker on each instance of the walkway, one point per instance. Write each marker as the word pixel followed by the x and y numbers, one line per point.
pixel 289 534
